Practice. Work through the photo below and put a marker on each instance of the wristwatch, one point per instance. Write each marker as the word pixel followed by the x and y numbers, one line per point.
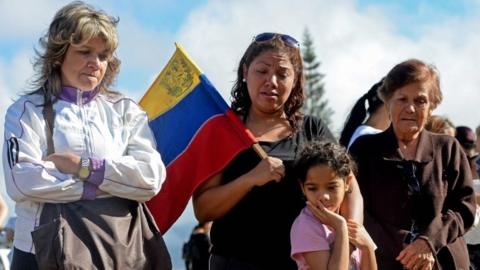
pixel 84 170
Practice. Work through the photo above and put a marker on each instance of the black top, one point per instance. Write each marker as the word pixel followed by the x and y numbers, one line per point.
pixel 199 246
pixel 257 229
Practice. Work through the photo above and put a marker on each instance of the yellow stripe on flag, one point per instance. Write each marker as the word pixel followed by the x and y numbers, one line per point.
pixel 175 81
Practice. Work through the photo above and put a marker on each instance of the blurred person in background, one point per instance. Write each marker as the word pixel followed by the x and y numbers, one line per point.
pixel 365 120
pixel 477 133
pixel 3 211
pixel 6 231
pixel 196 252
pixel 441 125
pixel 466 137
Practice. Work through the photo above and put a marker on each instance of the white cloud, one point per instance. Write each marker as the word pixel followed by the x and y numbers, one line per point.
pixel 27 19
pixel 143 51
pixel 22 19
pixel 21 70
pixel 356 47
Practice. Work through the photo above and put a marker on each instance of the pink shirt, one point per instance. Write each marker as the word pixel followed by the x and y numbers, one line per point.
pixel 308 234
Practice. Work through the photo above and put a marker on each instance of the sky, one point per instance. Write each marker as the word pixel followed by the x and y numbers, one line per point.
pixel 356 41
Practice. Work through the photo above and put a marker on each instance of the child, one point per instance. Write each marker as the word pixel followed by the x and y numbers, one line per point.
pixel 319 235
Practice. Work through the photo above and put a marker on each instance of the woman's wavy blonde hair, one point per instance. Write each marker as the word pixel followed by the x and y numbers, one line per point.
pixel 74 24
pixel 439 124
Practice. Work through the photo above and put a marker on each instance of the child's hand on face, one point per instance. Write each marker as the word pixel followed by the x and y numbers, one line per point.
pixel 326 216
pixel 358 236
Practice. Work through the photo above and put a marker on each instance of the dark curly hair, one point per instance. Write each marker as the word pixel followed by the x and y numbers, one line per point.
pixel 327 153
pixel 241 100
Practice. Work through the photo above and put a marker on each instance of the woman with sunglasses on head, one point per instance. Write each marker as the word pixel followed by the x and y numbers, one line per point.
pixel 254 201
pixel 74 142
pixel 417 185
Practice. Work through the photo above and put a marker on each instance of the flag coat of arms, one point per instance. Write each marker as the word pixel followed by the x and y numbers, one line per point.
pixel 197 133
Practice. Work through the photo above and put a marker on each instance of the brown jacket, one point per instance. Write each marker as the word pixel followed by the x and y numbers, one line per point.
pixel 443 210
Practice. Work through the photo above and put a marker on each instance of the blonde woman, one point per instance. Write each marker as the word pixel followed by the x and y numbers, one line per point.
pixel 441 125
pixel 103 145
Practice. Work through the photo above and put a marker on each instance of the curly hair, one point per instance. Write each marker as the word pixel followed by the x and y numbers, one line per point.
pixel 74 24
pixel 326 153
pixel 240 98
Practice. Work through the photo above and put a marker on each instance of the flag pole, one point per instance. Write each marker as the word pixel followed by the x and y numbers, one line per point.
pixel 259 150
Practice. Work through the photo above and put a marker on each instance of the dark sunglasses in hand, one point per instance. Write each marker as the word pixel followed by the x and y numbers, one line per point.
pixel 288 40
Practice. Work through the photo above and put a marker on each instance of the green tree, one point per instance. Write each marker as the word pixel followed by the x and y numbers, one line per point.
pixel 315 102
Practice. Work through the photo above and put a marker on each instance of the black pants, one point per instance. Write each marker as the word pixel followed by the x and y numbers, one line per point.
pixel 23 260
pixel 474 253
pixel 218 262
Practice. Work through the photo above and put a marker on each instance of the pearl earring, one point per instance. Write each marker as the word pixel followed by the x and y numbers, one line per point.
pixel 244 80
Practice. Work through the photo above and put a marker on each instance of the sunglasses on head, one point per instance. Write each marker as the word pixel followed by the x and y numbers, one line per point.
pixel 288 40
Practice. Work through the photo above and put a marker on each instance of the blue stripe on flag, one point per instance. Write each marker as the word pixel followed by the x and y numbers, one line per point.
pixel 175 128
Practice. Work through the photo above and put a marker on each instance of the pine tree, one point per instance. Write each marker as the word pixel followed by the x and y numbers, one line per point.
pixel 315 102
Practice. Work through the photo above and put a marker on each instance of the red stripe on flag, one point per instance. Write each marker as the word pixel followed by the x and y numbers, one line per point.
pixel 219 140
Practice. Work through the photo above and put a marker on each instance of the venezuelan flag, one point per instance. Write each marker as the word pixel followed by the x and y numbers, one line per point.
pixel 197 133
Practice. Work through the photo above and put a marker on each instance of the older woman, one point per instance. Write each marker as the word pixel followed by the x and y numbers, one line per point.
pixel 417 185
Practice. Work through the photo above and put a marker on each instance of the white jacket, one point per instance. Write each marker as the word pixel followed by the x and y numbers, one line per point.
pixel 113 131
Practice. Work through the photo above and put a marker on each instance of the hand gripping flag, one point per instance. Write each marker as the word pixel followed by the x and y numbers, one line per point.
pixel 197 133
